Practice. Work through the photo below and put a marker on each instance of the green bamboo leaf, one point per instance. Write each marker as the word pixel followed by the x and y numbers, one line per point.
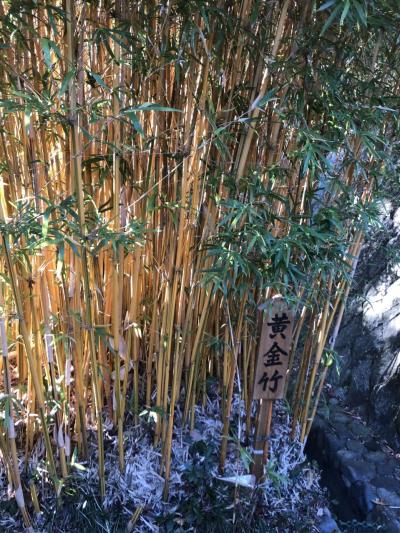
pixel 327 4
pixel 55 48
pixel 44 43
pixel 345 11
pixel 330 20
pixel 307 160
pixel 150 106
pixel 45 225
pixel 362 15
pixel 135 121
pixel 266 98
pixel 73 246
pixel 48 45
pixel 99 80
pixel 52 20
pixel 219 130
pixel 60 260
pixel 87 134
pixel 64 84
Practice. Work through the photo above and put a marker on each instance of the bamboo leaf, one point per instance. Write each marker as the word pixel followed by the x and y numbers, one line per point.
pixel 46 52
pixel 149 106
pixel 345 11
pixel 266 98
pixel 48 45
pixel 64 84
pixel 135 121
pixel 329 21
pixel 60 260
pixel 362 15
pixel 99 80
pixel 45 225
pixel 327 4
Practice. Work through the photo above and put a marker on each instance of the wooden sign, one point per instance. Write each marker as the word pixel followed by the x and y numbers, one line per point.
pixel 273 354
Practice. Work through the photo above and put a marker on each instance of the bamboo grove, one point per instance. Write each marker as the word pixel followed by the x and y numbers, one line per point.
pixel 165 169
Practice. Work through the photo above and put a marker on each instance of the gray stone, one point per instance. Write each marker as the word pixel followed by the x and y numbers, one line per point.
pixel 356 446
pixel 364 495
pixel 359 430
pixel 347 456
pixel 369 339
pixel 392 526
pixel 370 496
pixel 361 470
pixel 346 481
pixel 328 525
pixel 372 445
pixel 340 417
pixel 333 445
pixel 369 344
pixel 333 402
pixel 343 459
pixel 389 497
pixel 388 468
pixel 377 457
pixel 388 483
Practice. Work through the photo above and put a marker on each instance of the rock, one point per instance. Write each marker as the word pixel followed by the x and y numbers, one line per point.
pixel 364 495
pixel 388 468
pixel 356 446
pixel 392 526
pixel 347 482
pixel 357 475
pixel 377 457
pixel 372 445
pixel 359 430
pixel 361 470
pixel 347 456
pixel 388 483
pixel 340 417
pixel 388 497
pixel 333 445
pixel 369 339
pixel 344 460
pixel 328 525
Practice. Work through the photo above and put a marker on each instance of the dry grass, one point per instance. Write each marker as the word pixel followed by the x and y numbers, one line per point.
pixel 290 497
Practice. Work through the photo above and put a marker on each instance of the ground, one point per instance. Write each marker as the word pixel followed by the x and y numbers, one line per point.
pixel 200 499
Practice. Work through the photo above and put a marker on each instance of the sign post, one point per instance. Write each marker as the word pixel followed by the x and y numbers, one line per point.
pixel 271 370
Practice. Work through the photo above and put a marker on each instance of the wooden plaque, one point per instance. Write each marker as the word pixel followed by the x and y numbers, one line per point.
pixel 273 353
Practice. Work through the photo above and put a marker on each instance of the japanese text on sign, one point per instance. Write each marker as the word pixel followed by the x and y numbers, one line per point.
pixel 273 354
